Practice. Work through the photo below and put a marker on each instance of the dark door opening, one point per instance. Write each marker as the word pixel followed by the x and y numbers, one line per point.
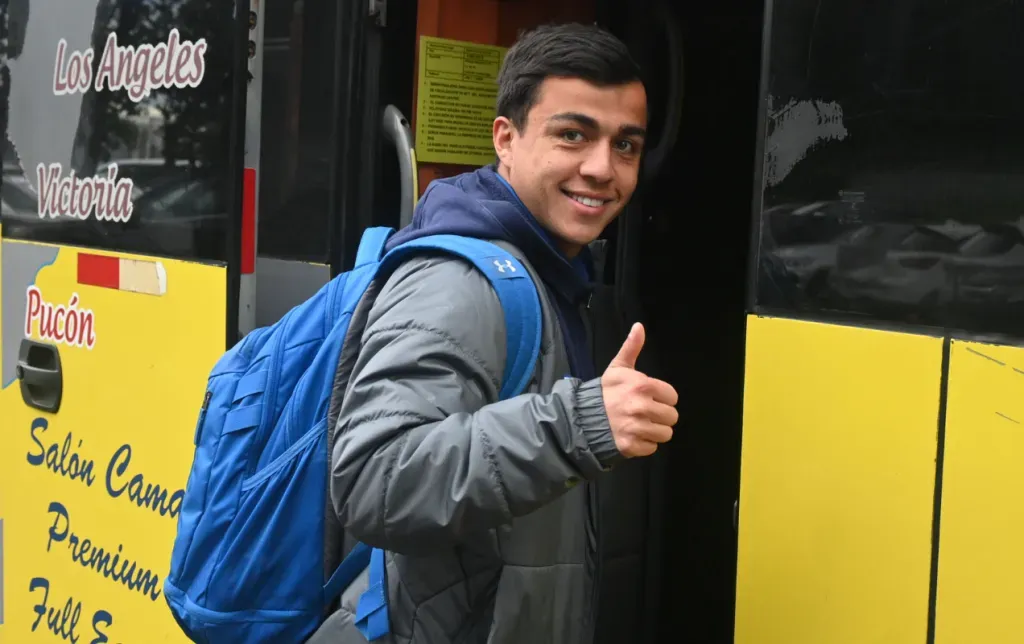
pixel 686 279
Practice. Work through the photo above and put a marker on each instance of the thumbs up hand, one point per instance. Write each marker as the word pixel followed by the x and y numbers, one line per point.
pixel 641 410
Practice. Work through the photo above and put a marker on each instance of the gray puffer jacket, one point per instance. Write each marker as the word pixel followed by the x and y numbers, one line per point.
pixel 491 513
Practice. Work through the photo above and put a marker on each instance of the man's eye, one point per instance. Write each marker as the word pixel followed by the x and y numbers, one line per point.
pixel 572 136
pixel 626 146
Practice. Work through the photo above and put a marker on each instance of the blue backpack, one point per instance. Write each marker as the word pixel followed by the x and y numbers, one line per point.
pixel 254 537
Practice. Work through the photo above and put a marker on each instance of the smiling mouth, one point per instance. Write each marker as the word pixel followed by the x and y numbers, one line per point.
pixel 586 201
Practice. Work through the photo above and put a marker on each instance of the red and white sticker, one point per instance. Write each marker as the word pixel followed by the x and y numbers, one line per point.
pixel 121 274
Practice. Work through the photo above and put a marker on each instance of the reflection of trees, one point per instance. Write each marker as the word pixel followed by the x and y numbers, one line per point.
pixel 13 20
pixel 101 125
pixel 5 81
pixel 192 125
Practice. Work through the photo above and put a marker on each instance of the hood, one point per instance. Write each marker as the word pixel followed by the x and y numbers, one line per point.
pixel 481 204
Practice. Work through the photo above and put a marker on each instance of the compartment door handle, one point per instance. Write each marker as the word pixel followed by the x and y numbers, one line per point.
pixel 41 376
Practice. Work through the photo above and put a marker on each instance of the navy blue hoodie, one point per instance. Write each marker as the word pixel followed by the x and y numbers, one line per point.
pixel 481 204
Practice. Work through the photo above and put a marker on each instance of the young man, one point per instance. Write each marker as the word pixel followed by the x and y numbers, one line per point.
pixel 489 510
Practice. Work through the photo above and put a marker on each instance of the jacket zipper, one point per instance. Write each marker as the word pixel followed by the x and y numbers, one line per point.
pixel 594 510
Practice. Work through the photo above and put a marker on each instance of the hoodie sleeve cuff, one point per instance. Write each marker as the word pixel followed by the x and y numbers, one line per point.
pixel 592 421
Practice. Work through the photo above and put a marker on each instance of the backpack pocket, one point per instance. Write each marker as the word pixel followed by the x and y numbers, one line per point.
pixel 291 456
pixel 263 551
pixel 268 578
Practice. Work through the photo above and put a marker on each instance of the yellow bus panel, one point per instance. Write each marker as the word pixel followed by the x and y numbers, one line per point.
pixel 837 484
pixel 92 492
pixel 981 561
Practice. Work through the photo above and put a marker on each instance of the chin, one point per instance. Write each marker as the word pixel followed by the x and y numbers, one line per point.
pixel 577 232
pixel 583 237
pixel 588 231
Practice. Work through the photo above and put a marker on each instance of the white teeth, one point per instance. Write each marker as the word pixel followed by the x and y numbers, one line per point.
pixel 587 201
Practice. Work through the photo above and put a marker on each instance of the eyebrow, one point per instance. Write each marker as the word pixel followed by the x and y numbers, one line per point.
pixel 591 122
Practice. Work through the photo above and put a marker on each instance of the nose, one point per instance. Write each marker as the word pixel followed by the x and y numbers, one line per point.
pixel 597 164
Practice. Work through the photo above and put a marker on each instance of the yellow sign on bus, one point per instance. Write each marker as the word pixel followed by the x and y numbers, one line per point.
pixel 92 493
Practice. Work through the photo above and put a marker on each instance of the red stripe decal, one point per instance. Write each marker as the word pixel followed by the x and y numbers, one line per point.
pixel 249 221
pixel 97 270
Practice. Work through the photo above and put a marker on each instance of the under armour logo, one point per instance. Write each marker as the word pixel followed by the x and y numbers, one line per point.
pixel 501 266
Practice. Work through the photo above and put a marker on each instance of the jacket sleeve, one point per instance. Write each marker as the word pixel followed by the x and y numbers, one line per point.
pixel 425 454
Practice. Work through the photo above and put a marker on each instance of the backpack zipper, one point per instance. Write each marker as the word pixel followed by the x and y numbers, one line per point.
pixel 202 417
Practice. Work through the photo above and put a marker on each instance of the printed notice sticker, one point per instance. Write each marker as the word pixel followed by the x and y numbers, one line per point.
pixel 458 89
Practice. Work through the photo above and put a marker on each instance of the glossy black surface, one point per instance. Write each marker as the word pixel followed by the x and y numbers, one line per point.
pixel 297 129
pixel 893 181
pixel 173 143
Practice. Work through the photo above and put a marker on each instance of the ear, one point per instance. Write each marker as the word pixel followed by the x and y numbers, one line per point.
pixel 504 134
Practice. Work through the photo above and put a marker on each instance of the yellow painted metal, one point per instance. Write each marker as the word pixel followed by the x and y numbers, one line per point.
pixel 837 484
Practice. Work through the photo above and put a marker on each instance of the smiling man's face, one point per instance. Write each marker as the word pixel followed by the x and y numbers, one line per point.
pixel 576 161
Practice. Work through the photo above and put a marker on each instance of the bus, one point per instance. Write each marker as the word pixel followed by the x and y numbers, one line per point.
pixel 177 173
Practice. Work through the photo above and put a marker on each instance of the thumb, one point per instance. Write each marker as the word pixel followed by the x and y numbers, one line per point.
pixel 630 351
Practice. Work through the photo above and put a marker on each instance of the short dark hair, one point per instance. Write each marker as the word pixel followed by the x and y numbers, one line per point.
pixel 570 50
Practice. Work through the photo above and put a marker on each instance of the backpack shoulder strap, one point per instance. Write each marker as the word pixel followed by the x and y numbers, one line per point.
pixel 371 245
pixel 516 292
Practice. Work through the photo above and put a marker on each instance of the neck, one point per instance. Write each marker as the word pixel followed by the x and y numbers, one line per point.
pixel 568 249
pixel 503 172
